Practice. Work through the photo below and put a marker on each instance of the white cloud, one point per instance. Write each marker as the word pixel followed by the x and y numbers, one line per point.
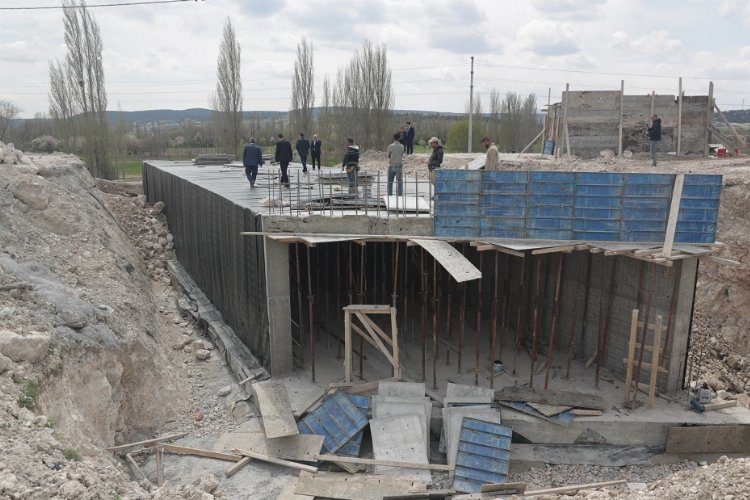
pixel 571 9
pixel 655 42
pixel 549 38
pixel 619 40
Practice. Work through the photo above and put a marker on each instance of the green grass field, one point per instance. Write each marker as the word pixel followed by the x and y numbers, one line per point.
pixel 127 167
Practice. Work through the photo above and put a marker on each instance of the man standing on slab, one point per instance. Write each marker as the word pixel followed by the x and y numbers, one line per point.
pixel 252 157
pixel 654 134
pixel 303 147
pixel 492 160
pixel 315 150
pixel 395 164
pixel 283 156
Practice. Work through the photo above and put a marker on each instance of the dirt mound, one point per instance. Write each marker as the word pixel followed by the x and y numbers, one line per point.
pixel 79 345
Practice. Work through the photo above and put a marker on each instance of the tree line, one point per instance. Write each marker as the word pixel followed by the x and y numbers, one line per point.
pixel 357 103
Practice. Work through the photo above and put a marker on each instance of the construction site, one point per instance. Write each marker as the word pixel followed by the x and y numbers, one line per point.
pixel 570 324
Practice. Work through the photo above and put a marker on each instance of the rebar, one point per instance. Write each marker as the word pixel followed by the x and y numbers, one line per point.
pixel 493 319
pixel 574 316
pixel 435 316
pixel 300 319
pixel 534 331
pixel 478 322
pixel 520 310
pixel 605 335
pixel 310 314
pixel 555 312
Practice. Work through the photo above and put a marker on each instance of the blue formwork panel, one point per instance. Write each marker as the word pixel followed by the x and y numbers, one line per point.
pixel 351 448
pixel 644 225
pixel 542 200
pixel 501 224
pixel 643 236
pixel 645 214
pixel 549 223
pixel 549 234
pixel 500 200
pixel 551 211
pixel 597 235
pixel 597 202
pixel 482 455
pixel 337 419
pixel 602 206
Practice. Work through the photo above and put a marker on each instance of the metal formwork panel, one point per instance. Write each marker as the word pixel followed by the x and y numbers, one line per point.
pixel 457 202
pixel 483 455
pixel 699 209
pixel 351 448
pixel 337 419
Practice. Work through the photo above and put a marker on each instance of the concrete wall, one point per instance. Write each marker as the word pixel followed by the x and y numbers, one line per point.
pixel 594 118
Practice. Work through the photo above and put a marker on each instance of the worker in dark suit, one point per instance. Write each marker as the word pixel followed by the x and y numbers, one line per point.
pixel 283 156
pixel 316 148
pixel 303 147
pixel 410 132
pixel 252 158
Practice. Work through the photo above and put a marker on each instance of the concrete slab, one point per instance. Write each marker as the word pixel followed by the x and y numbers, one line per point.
pixel 400 439
pixel 401 389
pixel 389 406
pixel 359 486
pixel 273 402
pixel 606 456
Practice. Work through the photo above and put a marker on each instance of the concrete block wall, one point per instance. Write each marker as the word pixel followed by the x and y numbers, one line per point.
pixel 594 118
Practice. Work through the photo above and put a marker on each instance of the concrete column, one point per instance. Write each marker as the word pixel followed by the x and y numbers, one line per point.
pixel 682 320
pixel 279 309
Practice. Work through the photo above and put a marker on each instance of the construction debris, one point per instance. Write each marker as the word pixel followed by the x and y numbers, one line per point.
pixel 274 406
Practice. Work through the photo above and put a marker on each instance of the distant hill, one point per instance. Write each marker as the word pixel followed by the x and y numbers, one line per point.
pixel 179 115
pixel 736 116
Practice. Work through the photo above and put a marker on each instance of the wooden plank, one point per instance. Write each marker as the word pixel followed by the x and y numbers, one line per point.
pixel 631 352
pixel 674 210
pixel 583 412
pixel 647 366
pixel 288 492
pixel 360 487
pixel 451 259
pixel 422 494
pixel 273 401
pixel 549 410
pixel 719 406
pixel 276 461
pixel 368 308
pixel 302 447
pixel 654 362
pixel 369 327
pixel 236 467
pixel 366 387
pixel 404 389
pixel 168 437
pixel 184 450
pixel 388 463
pixel 158 458
pixel 573 399
pixel 366 337
pixel 347 346
pixel 251 377
pixel 563 248
pixel 709 439
pixel 136 468
pixel 394 345
pixel 574 489
pixel 517 488
pixel 375 327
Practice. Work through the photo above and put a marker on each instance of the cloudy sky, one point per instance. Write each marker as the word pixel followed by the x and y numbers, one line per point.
pixel 164 55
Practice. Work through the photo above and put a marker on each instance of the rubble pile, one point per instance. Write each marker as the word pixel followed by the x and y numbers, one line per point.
pixel 10 155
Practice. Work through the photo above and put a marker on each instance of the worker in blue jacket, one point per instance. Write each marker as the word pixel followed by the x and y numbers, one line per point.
pixel 252 158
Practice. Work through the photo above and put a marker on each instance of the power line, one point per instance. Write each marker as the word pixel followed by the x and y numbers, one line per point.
pixel 91 6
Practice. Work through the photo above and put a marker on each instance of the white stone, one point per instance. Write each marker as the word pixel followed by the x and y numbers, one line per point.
pixel 225 391
pixel 31 190
pixel 32 347
pixel 202 354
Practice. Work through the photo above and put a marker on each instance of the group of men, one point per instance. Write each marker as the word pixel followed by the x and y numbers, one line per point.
pixel 403 144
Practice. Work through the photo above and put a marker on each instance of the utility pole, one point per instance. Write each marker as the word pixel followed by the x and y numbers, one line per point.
pixel 471 104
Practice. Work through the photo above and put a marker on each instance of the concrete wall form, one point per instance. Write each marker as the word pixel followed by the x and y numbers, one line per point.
pixel 594 118
pixel 229 268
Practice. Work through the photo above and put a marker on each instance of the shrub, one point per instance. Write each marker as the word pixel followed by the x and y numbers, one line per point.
pixel 71 454
pixel 29 395
pixel 45 144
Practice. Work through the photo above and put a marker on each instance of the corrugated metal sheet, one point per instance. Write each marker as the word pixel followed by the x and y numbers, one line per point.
pixel 483 455
pixel 591 206
pixel 337 419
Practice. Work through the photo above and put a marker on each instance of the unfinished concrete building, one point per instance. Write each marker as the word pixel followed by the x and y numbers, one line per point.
pixel 587 122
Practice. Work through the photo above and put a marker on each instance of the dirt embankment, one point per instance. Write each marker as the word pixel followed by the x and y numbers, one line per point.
pixel 81 363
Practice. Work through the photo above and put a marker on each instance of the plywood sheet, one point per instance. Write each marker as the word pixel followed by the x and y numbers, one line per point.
pixel 573 399
pixel 389 406
pixel 355 487
pixel 400 439
pixel 302 447
pixel 549 410
pixel 390 388
pixel 460 390
pixel 709 439
pixel 451 259
pixel 273 402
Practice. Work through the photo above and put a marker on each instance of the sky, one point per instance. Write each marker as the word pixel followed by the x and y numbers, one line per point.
pixel 164 56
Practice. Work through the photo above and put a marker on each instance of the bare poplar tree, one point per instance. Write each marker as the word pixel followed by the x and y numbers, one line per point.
pixel 84 73
pixel 62 106
pixel 494 124
pixel 303 94
pixel 363 96
pixel 8 112
pixel 227 102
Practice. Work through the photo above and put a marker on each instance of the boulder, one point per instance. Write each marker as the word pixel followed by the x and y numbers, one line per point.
pixel 32 347
pixel 31 190
pixel 202 354
pixel 73 318
pixel 158 208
